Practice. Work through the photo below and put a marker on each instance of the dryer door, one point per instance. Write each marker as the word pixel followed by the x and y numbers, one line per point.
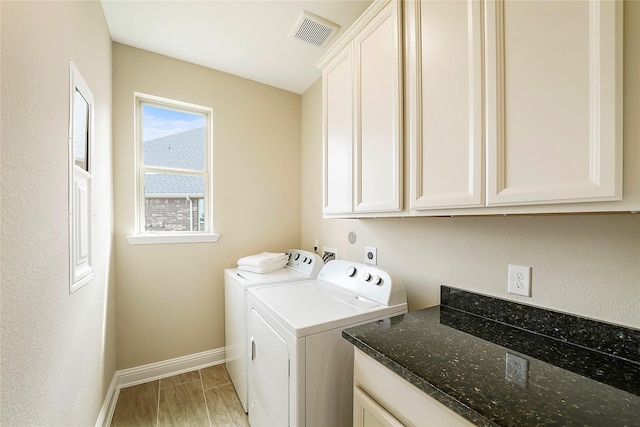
pixel 268 375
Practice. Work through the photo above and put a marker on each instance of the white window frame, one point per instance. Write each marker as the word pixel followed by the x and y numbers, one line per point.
pixel 81 190
pixel 142 236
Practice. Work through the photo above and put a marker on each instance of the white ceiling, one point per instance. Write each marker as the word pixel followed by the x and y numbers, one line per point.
pixel 248 38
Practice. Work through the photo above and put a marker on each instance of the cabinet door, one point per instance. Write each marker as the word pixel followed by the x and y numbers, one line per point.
pixel 444 103
pixel 337 86
pixel 554 107
pixel 378 113
pixel 393 395
pixel 368 413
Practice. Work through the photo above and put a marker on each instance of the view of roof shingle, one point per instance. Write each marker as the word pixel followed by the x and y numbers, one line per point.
pixel 184 150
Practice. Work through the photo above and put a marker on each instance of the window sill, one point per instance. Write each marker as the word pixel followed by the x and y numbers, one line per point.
pixel 152 239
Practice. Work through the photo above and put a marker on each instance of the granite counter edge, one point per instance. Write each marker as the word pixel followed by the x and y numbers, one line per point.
pixel 423 385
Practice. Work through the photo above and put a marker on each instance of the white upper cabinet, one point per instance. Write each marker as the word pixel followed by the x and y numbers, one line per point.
pixel 553 101
pixel 515 107
pixel 362 116
pixel 511 107
pixel 444 98
pixel 337 97
pixel 378 108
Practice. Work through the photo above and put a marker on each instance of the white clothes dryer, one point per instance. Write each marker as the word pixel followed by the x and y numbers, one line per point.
pixel 302 265
pixel 300 368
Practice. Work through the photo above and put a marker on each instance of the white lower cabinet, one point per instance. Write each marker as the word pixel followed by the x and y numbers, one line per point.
pixel 383 398
pixel 368 413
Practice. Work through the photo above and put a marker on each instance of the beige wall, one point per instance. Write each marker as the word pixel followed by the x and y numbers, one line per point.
pixel 588 265
pixel 58 350
pixel 170 297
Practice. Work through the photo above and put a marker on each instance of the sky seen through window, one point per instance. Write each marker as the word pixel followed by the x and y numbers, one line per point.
pixel 159 122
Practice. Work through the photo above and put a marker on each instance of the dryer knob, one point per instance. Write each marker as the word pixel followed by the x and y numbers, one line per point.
pixel 351 271
pixel 296 256
pixel 304 259
pixel 366 277
pixel 309 261
pixel 377 280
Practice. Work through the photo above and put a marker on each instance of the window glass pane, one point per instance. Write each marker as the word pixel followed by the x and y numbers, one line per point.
pixel 172 202
pixel 173 139
pixel 80 130
pixel 201 212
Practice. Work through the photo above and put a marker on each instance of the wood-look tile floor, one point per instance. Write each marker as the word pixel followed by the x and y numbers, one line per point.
pixel 205 397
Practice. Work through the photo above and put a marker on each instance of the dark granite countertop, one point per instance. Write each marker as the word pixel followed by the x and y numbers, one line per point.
pixel 495 363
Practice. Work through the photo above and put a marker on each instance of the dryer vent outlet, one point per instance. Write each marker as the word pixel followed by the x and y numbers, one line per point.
pixel 329 254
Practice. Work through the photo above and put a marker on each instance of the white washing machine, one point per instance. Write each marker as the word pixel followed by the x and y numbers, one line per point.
pixel 302 265
pixel 300 368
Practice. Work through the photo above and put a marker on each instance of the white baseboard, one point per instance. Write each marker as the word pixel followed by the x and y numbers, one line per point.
pixel 167 368
pixel 151 372
pixel 109 404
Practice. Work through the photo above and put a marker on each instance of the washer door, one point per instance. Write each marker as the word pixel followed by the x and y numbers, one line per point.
pixel 269 375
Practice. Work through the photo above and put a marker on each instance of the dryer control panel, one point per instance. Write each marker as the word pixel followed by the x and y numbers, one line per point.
pixel 365 280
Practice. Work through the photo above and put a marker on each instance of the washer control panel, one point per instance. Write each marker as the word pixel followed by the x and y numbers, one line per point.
pixel 305 262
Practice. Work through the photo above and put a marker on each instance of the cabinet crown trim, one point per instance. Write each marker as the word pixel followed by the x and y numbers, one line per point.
pixel 348 36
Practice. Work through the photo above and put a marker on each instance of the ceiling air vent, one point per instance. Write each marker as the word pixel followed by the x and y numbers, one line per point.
pixel 313 29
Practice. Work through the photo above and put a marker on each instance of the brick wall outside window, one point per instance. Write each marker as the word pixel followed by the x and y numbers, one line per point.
pixel 171 214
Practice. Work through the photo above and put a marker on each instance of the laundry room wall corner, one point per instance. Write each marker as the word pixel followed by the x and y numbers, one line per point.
pixel 171 296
